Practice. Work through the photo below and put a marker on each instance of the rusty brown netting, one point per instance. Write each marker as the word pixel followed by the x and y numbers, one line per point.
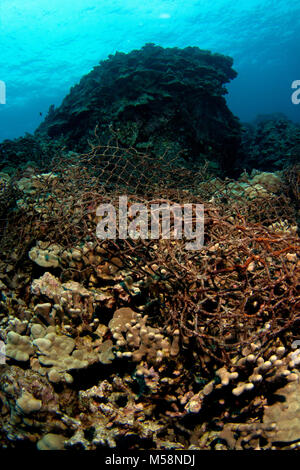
pixel 241 287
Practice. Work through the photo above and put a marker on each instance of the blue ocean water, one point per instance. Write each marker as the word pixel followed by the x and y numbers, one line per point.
pixel 46 47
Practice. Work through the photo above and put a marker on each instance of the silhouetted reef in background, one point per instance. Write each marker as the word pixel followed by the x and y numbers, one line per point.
pixel 270 143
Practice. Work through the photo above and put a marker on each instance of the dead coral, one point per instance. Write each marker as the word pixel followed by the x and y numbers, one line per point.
pixel 138 341
pixel 69 300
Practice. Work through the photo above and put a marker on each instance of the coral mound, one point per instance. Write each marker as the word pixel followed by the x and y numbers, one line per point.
pixel 156 99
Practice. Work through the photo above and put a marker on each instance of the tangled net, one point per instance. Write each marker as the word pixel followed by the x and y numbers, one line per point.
pixel 240 288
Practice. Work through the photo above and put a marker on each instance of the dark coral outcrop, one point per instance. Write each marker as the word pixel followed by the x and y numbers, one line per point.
pixel 270 143
pixel 155 98
pixel 27 151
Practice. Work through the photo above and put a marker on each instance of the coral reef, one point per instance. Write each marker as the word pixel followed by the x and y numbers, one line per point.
pixel 27 152
pixel 7 194
pixel 139 95
pixel 270 143
pixel 142 344
pixel 133 342
pixel 153 99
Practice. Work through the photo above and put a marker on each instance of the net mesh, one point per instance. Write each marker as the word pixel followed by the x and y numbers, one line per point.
pixel 241 286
